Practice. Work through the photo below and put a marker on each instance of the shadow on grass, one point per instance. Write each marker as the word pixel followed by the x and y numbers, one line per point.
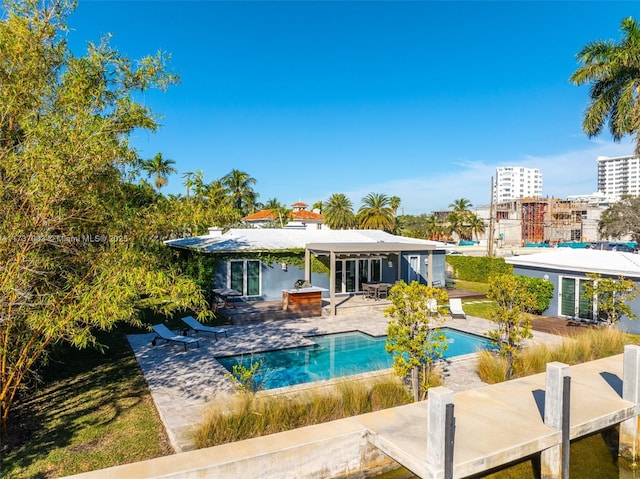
pixel 82 393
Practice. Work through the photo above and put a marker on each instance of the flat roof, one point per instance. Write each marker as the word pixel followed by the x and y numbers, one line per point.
pixel 379 247
pixel 613 263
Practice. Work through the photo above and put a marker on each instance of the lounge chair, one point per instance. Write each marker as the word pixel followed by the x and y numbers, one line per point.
pixel 165 333
pixel 455 306
pixel 198 327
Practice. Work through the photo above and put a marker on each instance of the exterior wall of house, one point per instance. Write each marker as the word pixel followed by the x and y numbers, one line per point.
pixel 625 324
pixel 274 277
pixel 438 268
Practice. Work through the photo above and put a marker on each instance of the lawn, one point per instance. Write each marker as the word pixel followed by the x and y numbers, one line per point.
pixel 91 411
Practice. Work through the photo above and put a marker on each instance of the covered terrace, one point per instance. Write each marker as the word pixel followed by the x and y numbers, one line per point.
pixel 401 252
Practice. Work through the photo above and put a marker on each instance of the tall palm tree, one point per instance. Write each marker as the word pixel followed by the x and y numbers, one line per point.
pixel 376 213
pixel 434 228
pixel 476 225
pixel 338 212
pixel 188 182
pixel 394 203
pixel 159 169
pixel 239 187
pixel 461 205
pixel 458 219
pixel 215 193
pixel 613 70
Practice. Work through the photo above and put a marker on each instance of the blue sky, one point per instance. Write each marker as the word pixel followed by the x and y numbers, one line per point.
pixel 421 99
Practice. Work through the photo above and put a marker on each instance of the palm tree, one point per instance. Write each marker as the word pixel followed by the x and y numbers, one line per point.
pixel 376 213
pixel 458 219
pixel 461 205
pixel 338 212
pixel 434 229
pixel 239 187
pixel 188 182
pixel 317 206
pixel 613 70
pixel 215 193
pixel 476 225
pixel 394 203
pixel 159 168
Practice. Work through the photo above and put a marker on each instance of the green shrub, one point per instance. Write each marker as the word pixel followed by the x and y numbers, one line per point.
pixel 477 268
pixel 542 292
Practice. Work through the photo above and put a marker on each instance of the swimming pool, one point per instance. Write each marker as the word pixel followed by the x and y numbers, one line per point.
pixel 337 355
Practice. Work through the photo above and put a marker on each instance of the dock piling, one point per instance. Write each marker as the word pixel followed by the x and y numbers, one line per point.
pixel 439 398
pixel 629 433
pixel 551 460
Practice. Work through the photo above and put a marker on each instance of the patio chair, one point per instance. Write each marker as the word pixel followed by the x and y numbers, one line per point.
pixel 455 306
pixel 162 332
pixel 198 327
pixel 369 290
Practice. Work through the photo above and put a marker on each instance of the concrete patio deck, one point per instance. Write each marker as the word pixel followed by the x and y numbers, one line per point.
pixel 183 384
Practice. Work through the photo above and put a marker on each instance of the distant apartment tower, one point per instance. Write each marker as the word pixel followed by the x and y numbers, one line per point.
pixel 515 182
pixel 619 176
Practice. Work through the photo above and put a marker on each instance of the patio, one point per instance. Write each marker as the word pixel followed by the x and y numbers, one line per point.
pixel 184 383
pixel 241 311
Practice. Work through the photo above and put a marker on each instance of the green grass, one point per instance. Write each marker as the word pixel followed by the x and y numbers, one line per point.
pixel 92 411
pixel 472 286
pixel 480 310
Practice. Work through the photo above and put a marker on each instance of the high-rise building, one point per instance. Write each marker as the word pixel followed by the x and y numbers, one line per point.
pixel 514 182
pixel 619 176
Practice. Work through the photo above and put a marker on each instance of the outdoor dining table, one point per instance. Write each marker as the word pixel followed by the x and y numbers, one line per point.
pixel 224 294
pixel 376 290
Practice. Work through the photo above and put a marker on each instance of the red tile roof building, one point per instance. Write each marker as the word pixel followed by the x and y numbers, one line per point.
pixel 300 216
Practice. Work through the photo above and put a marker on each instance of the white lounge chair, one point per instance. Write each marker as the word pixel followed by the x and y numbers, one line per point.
pixel 455 306
pixel 197 326
pixel 165 333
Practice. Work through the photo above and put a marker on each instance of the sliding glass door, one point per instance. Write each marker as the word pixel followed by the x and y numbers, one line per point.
pixel 244 277
pixel 573 304
pixel 351 273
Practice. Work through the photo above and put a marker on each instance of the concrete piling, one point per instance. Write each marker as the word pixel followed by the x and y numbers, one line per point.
pixel 551 459
pixel 439 397
pixel 629 429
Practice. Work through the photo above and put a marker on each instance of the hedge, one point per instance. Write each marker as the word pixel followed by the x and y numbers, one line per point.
pixel 477 268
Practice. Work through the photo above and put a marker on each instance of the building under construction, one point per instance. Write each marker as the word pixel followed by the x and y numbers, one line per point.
pixel 544 220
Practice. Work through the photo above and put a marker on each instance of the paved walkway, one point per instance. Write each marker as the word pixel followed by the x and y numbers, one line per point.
pixel 184 383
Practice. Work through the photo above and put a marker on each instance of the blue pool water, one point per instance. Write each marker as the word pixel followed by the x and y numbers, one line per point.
pixel 337 355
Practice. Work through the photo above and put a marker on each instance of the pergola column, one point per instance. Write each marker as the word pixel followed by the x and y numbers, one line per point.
pixel 332 283
pixel 307 265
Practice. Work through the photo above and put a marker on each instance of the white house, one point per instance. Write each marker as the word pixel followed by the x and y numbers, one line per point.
pixel 249 263
pixel 566 268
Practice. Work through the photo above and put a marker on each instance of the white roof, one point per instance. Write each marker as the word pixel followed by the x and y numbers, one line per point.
pixel 273 239
pixel 614 263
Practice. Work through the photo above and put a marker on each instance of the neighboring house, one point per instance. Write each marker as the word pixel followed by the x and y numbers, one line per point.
pixel 351 258
pixel 299 217
pixel 566 268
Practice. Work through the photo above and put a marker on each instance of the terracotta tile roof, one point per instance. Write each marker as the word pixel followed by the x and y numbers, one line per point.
pixel 305 215
pixel 260 215
pixel 266 215
pixel 299 204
